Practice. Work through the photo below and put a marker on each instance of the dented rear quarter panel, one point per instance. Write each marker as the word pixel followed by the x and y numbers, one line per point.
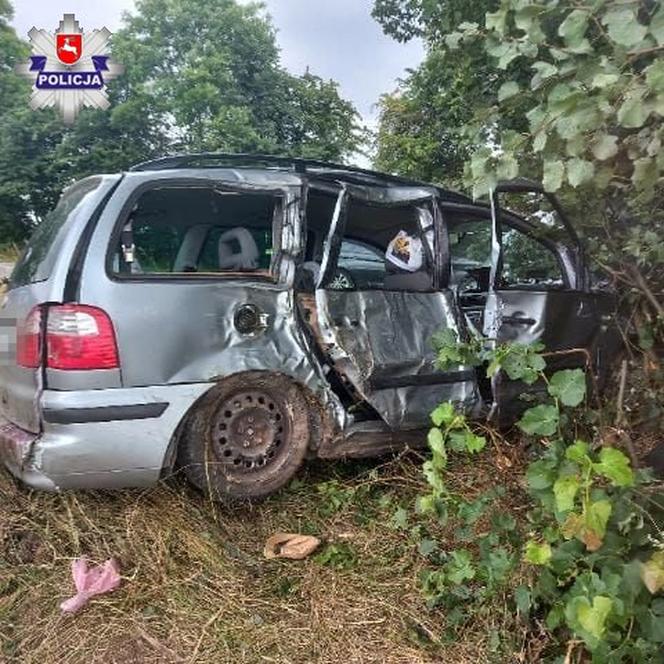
pixel 174 330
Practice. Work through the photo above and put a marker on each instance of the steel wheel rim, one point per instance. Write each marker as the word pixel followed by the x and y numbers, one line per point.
pixel 249 431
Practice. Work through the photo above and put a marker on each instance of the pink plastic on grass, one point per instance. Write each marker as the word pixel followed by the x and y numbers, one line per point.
pixel 90 582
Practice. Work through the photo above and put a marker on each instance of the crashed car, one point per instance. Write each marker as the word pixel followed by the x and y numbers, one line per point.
pixel 232 315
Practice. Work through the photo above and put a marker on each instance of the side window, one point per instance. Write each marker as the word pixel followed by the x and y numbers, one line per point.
pixel 365 264
pixel 178 230
pixel 528 263
pixel 383 247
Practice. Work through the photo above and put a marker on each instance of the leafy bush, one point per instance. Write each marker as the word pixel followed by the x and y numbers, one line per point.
pixel 589 540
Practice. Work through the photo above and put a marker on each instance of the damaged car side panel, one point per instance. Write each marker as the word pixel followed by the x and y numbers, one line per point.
pixel 575 325
pixel 380 339
pixel 159 355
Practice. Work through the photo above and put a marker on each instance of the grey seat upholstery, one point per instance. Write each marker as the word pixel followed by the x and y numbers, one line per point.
pixel 396 279
pixel 408 281
pixel 246 258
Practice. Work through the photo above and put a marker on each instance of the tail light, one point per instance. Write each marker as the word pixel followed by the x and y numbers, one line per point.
pixel 28 340
pixel 80 337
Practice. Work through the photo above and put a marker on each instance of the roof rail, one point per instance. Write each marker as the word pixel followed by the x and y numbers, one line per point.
pixel 297 164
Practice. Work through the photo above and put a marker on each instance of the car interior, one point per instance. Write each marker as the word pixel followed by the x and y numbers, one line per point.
pixel 178 230
pixel 368 231
pixel 175 230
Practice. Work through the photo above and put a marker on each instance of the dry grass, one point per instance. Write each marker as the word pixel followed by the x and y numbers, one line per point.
pixel 197 589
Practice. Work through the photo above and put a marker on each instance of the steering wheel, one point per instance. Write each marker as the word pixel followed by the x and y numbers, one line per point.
pixel 342 280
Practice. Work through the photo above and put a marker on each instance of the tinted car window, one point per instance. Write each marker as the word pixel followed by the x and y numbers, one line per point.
pixel 365 264
pixel 39 256
pixel 526 261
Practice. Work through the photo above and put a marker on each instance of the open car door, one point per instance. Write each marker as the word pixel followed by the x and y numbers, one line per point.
pixel 377 333
pixel 539 289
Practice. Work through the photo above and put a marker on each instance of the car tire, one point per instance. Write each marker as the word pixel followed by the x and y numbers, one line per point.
pixel 246 438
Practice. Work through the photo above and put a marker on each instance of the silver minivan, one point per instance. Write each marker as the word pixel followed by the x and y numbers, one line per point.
pixel 232 315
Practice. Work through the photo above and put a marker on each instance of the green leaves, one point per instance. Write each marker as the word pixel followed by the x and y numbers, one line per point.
pixel 573 30
pixel 605 147
pixel 578 452
pixel 654 74
pixel 623 26
pixel 518 361
pixel 589 620
pixel 460 568
pixel 589 527
pixel 565 489
pixel 579 490
pixel 475 443
pixel 579 171
pixel 436 442
pixel 451 352
pixel 539 421
pixel 537 553
pixel 633 112
pixel 523 598
pixel 496 21
pixel 554 171
pixel 569 386
pixel 443 414
pixel 605 79
pixel 652 572
pixel 453 39
pixel 507 90
pixel 543 71
pixel 596 515
pixel 427 547
pixel 657 26
pixel 563 482
pixel 615 466
pixel 541 474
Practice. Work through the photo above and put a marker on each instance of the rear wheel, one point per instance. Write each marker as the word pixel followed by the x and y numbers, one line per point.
pixel 247 437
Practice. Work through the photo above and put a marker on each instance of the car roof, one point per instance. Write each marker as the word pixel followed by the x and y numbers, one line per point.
pixel 259 168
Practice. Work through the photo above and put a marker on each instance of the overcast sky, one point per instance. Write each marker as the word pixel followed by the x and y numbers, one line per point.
pixel 337 39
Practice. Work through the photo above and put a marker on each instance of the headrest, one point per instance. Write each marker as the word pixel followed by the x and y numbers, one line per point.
pixel 246 258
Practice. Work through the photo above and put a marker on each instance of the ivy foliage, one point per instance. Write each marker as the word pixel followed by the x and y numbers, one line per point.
pixel 595 99
pixel 570 94
pixel 589 546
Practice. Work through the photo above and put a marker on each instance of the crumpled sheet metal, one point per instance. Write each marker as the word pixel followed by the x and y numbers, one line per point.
pixel 390 359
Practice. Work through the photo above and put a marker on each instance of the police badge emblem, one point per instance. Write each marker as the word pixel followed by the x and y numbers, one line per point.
pixel 69 69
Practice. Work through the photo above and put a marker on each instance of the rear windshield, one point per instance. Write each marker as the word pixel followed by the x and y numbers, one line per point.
pixel 39 256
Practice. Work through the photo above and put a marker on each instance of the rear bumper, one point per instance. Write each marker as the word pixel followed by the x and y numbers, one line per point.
pixel 96 439
pixel 15 449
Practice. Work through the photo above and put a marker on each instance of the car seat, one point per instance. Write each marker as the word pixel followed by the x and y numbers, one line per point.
pixel 399 280
pixel 246 258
